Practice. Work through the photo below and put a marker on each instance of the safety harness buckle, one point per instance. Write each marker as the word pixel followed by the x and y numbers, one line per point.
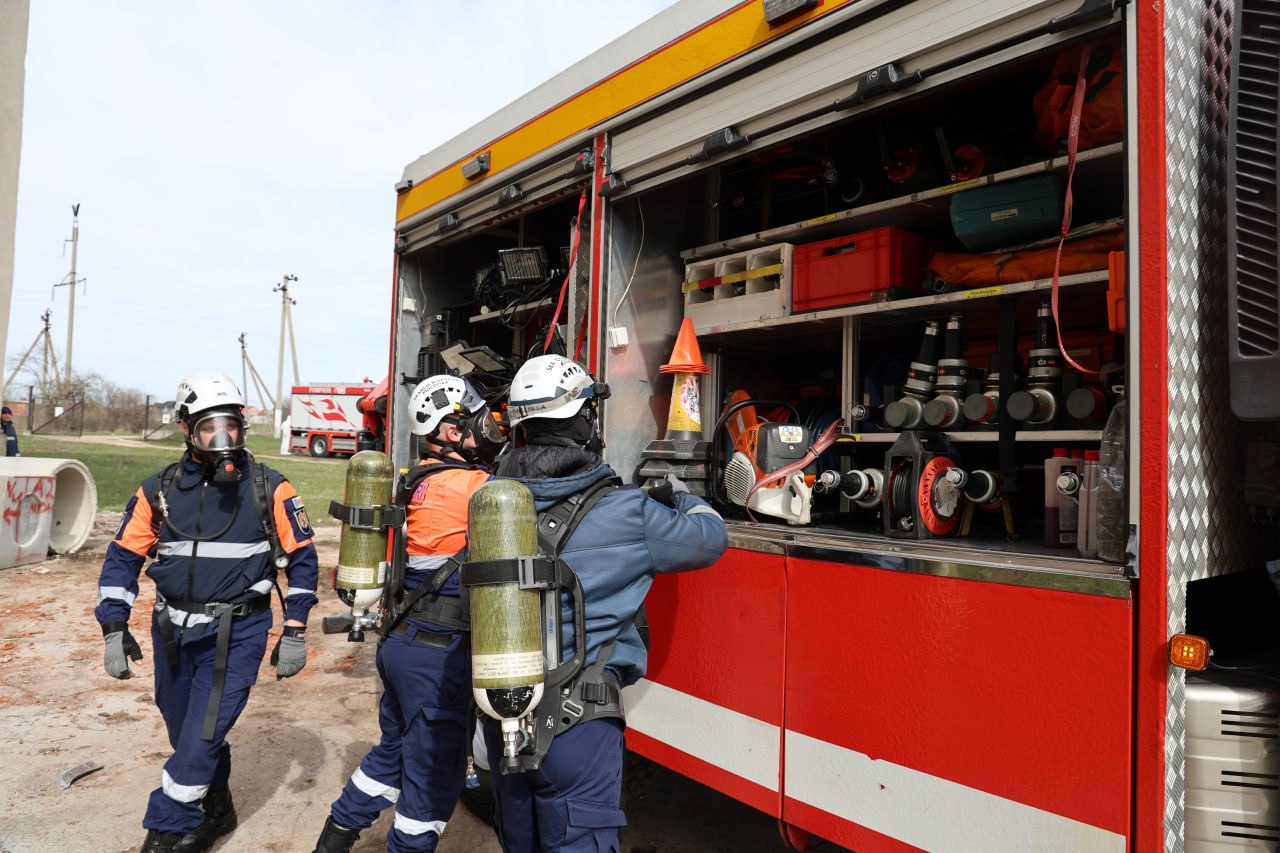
pixel 572 708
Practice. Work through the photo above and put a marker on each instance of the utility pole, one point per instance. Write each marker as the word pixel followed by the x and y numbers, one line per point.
pixel 47 353
pixel 285 302
pixel 251 372
pixel 72 281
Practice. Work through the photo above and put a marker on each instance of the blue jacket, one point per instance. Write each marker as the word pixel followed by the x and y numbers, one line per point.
pixel 617 548
pixel 232 567
pixel 10 440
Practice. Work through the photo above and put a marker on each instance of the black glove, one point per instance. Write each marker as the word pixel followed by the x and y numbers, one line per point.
pixel 290 653
pixel 121 647
pixel 663 493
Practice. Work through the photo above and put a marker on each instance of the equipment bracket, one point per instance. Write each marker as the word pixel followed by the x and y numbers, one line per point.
pixel 1088 10
pixel 376 518
pixel 879 81
pixel 537 572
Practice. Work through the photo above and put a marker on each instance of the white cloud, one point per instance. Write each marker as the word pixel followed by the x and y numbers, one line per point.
pixel 215 147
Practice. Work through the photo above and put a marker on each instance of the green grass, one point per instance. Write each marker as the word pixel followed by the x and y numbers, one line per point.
pixel 118 471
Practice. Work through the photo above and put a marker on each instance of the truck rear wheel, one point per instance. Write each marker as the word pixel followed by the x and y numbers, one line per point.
pixel 319 446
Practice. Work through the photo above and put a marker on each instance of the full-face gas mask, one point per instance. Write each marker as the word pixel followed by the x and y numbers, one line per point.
pixel 216 437
pixel 489 434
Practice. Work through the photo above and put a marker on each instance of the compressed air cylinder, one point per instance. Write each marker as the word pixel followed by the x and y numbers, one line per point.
pixel 362 554
pixel 506 639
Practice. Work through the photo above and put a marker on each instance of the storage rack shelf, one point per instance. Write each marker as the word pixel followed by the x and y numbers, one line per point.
pixel 905 210
pixel 961 436
pixel 914 305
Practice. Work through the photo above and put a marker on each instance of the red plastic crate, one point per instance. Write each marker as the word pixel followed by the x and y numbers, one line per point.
pixel 847 270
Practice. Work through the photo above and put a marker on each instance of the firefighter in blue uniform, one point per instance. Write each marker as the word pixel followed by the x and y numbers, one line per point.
pixel 572 802
pixel 419 765
pixel 219 526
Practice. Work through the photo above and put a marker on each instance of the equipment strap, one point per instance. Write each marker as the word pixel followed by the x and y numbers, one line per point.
pixel 375 518
pixel 441 611
pixel 529 572
pixel 225 613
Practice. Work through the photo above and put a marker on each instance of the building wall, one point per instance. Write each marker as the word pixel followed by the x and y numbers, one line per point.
pixel 14 18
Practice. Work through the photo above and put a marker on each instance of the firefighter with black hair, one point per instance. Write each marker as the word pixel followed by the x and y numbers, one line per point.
pixel 419 764
pixel 219 526
pixel 572 801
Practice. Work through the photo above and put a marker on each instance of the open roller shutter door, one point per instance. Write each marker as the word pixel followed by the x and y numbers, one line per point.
pixel 560 175
pixel 917 36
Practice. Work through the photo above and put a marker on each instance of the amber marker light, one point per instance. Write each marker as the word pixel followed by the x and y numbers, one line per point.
pixel 1189 651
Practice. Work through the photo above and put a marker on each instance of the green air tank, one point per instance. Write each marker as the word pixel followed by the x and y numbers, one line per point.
pixel 362 554
pixel 506 641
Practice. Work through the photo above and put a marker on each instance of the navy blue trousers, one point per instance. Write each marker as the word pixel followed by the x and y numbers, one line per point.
pixel 182 694
pixel 572 803
pixel 419 765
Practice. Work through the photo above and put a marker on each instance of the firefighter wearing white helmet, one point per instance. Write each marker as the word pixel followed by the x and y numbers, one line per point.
pixel 418 764
pixel 210 409
pixel 219 525
pixel 615 544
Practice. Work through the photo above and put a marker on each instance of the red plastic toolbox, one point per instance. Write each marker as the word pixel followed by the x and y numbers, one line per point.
pixel 847 270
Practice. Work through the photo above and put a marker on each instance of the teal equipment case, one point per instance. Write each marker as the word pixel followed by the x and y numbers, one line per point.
pixel 1008 213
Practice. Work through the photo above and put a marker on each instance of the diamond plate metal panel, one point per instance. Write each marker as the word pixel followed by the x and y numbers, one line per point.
pixel 1205 523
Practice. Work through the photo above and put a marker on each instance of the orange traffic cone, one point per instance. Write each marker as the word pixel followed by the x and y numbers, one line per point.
pixel 684 418
pixel 686 357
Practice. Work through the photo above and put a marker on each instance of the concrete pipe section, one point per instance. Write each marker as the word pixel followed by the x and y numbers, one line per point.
pixel 47 505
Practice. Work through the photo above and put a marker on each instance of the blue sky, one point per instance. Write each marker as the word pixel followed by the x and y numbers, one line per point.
pixel 215 147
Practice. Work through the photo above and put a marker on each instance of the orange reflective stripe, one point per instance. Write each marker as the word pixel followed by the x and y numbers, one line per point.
pixel 285 505
pixel 437 512
pixel 136 536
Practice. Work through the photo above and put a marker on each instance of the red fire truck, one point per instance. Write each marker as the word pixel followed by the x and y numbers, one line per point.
pixel 927 248
pixel 334 420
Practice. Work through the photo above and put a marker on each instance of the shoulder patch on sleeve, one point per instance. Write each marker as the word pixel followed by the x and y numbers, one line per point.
pixel 298 518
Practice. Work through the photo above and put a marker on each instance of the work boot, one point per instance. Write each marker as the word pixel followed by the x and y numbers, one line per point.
pixel 335 838
pixel 160 842
pixel 219 819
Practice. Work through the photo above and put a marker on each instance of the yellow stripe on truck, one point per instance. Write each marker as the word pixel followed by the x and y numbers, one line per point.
pixel 737 31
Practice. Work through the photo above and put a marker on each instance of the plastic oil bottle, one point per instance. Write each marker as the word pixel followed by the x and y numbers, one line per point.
pixel 1109 509
pixel 1061 485
pixel 1087 541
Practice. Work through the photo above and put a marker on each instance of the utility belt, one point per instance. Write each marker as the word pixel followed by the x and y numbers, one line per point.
pixel 224 613
pixel 431 638
pixel 425 602
pixel 592 695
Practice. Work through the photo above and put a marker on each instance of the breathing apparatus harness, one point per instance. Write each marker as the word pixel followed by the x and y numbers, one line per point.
pixel 399 603
pixel 572 693
pixel 224 612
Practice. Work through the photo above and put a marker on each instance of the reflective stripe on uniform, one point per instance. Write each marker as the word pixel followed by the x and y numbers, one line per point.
pixel 263 587
pixel 373 788
pixel 217 550
pixel 117 592
pixel 293 590
pixel 187 620
pixel 181 793
pixel 425 562
pixel 700 508
pixel 409 826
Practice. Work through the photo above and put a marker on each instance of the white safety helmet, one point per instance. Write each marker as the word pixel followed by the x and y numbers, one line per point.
pixel 550 386
pixel 203 390
pixel 436 397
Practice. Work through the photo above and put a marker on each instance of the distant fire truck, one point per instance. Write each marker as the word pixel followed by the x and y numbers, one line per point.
pixel 329 420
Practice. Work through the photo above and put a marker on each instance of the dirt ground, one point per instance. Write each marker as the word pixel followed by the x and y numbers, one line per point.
pixel 295 745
